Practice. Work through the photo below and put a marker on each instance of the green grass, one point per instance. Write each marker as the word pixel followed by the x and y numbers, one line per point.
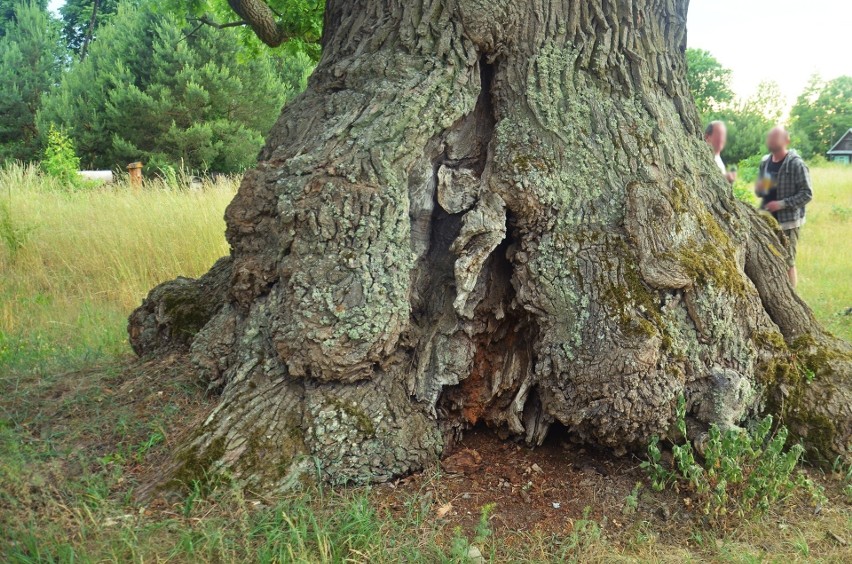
pixel 824 259
pixel 313 526
pixel 79 433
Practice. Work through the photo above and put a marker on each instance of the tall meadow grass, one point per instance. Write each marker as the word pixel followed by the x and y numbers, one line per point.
pixel 88 257
pixel 825 249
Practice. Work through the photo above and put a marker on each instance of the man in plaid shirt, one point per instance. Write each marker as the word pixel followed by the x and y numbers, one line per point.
pixel 784 185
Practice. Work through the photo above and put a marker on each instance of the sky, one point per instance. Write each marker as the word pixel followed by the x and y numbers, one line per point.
pixel 782 40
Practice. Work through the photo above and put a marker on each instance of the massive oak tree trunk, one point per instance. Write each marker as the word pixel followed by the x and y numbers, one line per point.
pixel 494 213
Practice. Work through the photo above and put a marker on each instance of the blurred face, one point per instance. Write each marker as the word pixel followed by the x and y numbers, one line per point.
pixel 718 138
pixel 777 140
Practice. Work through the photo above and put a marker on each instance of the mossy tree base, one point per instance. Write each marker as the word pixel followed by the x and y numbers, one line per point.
pixel 488 212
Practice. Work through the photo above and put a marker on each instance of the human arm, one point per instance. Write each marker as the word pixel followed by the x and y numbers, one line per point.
pixel 804 189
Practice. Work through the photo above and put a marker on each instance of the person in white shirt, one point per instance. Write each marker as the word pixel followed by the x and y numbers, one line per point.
pixel 716 136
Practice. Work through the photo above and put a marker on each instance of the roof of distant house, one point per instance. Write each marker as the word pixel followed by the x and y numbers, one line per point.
pixel 843 145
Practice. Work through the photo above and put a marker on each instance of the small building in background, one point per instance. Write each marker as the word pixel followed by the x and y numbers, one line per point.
pixel 842 150
pixel 104 176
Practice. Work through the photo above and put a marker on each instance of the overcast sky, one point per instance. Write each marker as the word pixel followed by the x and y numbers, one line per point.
pixel 782 40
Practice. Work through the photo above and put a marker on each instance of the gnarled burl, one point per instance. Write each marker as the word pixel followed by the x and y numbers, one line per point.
pixel 495 213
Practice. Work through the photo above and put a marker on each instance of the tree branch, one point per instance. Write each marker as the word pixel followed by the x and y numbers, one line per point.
pixel 206 20
pixel 261 18
pixel 90 31
pixel 209 21
pixel 191 33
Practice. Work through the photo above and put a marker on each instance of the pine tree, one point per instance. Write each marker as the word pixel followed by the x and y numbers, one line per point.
pixel 7 12
pixel 150 90
pixel 31 59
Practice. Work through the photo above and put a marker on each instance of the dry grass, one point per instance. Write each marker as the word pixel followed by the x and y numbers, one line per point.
pixel 89 257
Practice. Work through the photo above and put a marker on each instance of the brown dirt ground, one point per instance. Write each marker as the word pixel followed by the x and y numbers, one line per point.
pixel 546 488
pixel 545 491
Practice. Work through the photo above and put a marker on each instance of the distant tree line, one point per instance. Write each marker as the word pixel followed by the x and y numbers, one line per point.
pixel 127 80
pixel 820 115
pixel 180 84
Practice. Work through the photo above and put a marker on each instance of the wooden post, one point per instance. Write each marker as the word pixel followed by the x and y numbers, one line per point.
pixel 135 172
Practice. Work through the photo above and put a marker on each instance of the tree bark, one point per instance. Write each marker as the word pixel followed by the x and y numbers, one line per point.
pixel 262 20
pixel 90 31
pixel 495 213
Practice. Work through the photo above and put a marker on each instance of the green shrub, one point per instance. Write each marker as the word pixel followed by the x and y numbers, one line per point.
pixel 742 472
pixel 745 193
pixel 817 161
pixel 747 170
pixel 60 161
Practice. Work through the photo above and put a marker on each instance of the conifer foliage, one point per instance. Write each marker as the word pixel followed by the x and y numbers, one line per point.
pixel 31 59
pixel 155 90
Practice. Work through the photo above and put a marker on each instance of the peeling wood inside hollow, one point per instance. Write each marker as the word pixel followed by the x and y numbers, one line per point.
pixel 489 212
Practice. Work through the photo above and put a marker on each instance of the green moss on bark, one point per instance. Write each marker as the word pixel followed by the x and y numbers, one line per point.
pixel 188 313
pixel 711 262
pixel 787 376
pixel 631 297
pixel 817 358
pixel 198 468
pixel 362 421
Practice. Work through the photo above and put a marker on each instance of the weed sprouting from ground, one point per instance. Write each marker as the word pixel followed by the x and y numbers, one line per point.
pixel 463 548
pixel 842 471
pixel 631 502
pixel 741 472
